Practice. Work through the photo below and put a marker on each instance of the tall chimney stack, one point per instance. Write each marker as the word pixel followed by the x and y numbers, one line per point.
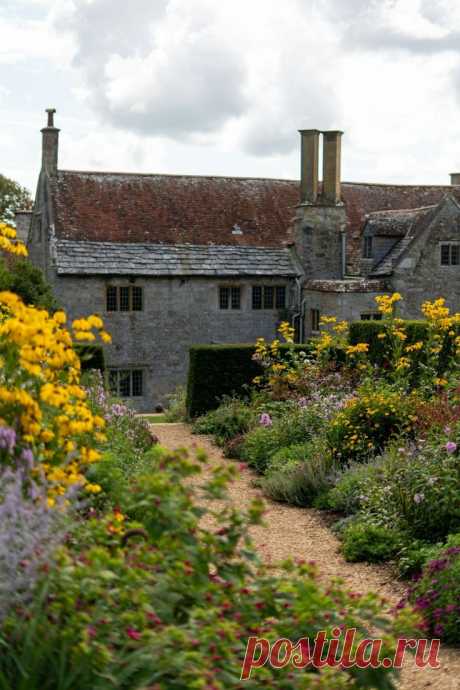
pixel 455 179
pixel 332 145
pixel 309 158
pixel 50 145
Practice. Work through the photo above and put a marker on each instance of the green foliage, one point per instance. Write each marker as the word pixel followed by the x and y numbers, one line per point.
pixel 232 418
pixel 145 597
pixel 91 357
pixel 27 281
pixel 414 555
pixel 13 198
pixel 366 425
pixel 294 427
pixel 436 594
pixel 368 332
pixel 365 541
pixel 176 410
pixel 216 371
pixel 299 474
pixel 351 487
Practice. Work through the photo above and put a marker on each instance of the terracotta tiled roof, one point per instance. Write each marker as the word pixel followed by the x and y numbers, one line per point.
pixel 181 209
pixel 173 209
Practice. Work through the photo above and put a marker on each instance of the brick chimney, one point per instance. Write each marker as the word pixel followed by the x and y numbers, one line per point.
pixel 50 145
pixel 455 178
pixel 332 149
pixel 309 157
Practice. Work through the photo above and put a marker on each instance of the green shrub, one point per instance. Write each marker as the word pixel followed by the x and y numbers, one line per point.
pixel 160 602
pixel 294 427
pixel 232 418
pixel 369 421
pixel 176 410
pixel 436 595
pixel 368 332
pixel 216 371
pixel 27 281
pixel 349 492
pixel 364 541
pixel 299 474
pixel 414 555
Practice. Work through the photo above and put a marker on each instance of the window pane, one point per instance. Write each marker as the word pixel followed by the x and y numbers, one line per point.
pixel 236 297
pixel 280 297
pixel 367 248
pixel 365 317
pixel 137 382
pixel 224 296
pixel 445 254
pixel 268 297
pixel 112 298
pixel 455 254
pixel 256 297
pixel 124 299
pixel 315 319
pixel 113 381
pixel 124 382
pixel 137 298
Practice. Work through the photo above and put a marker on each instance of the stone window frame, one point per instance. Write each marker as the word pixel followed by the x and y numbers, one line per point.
pixel 230 297
pixel 134 377
pixel 453 257
pixel 131 297
pixel 268 297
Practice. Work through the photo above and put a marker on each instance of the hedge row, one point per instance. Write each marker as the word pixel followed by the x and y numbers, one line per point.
pixel 219 370
pixel 368 331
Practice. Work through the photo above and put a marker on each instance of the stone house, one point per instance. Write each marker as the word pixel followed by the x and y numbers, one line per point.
pixel 174 260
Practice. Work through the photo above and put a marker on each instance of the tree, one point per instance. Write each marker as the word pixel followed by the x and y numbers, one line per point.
pixel 13 198
pixel 27 281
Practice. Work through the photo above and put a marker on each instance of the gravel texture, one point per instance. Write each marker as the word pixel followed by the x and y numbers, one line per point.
pixel 303 533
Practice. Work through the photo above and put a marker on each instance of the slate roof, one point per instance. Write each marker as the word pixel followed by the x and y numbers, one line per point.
pixel 393 223
pixel 199 210
pixel 119 258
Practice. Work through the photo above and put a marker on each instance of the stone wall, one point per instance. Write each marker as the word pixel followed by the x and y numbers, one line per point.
pixel 345 305
pixel 177 314
pixel 317 233
pixel 419 275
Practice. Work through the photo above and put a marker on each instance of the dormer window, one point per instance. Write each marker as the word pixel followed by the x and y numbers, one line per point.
pixel 450 254
pixel 367 248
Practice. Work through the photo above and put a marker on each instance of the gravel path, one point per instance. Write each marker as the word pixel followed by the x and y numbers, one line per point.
pixel 303 533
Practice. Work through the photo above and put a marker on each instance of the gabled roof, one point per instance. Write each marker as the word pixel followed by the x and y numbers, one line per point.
pixel 119 258
pixel 416 224
pixel 393 223
pixel 174 209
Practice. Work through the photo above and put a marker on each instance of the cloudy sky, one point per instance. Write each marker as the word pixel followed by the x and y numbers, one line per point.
pixel 222 86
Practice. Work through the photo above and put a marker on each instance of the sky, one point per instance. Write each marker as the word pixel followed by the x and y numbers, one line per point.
pixel 220 87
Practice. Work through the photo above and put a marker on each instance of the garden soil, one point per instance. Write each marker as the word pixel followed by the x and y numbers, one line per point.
pixel 303 533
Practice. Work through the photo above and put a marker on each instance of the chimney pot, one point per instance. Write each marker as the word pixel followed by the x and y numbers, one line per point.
pixel 50 145
pixel 332 160
pixel 455 178
pixel 309 158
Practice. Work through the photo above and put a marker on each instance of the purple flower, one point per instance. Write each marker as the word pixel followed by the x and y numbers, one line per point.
pixel 418 498
pixel 265 419
pixel 451 447
pixel 28 458
pixel 7 438
pixel 447 430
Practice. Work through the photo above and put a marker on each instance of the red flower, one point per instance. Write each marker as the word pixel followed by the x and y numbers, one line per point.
pixel 133 634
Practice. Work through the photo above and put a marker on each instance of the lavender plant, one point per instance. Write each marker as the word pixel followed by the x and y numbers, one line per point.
pixel 30 531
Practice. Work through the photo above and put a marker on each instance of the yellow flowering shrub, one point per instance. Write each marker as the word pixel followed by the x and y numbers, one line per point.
pixel 8 242
pixel 46 420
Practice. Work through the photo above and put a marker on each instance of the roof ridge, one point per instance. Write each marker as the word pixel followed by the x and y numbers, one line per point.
pixel 186 175
pixel 401 211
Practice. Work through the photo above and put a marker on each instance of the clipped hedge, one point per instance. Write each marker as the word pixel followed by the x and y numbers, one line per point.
pixel 368 331
pixel 91 357
pixel 219 370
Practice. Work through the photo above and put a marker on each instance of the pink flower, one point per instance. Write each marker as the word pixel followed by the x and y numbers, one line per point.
pixel 451 447
pixel 265 419
pixel 133 634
